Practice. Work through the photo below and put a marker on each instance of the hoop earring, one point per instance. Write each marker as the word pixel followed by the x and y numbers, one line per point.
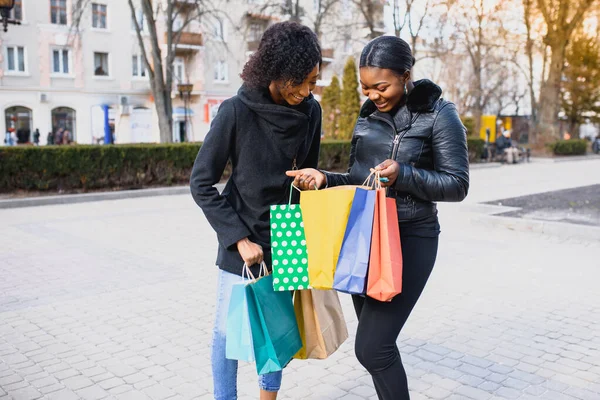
pixel 405 89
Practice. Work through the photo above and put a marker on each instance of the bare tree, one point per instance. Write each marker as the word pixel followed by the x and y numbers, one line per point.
pixel 323 11
pixel 562 17
pixel 483 38
pixel 173 17
pixel 293 9
pixel 415 14
pixel 372 12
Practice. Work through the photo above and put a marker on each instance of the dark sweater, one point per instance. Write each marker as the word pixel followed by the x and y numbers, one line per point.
pixel 261 139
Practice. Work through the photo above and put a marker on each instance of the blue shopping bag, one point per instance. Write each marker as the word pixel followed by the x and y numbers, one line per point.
pixel 275 333
pixel 238 339
pixel 353 263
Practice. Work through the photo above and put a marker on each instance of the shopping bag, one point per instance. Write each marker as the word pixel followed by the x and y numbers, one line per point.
pixel 385 263
pixel 321 323
pixel 288 247
pixel 275 335
pixel 353 263
pixel 238 339
pixel 325 214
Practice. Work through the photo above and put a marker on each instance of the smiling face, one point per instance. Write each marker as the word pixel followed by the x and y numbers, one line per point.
pixel 284 92
pixel 383 87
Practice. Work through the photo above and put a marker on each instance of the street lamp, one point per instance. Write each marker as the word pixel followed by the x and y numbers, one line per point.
pixel 185 90
pixel 5 7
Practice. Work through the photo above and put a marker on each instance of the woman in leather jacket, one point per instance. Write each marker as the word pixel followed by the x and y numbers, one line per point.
pixel 416 140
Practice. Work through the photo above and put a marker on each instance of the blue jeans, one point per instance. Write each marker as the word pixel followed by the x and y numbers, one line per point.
pixel 225 370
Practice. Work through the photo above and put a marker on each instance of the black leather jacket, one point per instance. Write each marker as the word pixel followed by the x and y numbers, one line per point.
pixel 426 137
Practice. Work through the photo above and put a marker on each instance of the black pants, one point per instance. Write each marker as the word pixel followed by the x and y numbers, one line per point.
pixel 379 323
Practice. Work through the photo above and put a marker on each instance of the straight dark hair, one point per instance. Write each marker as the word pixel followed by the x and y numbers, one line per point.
pixel 388 52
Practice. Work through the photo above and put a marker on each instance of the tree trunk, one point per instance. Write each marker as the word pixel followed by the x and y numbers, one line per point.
pixel 163 112
pixel 531 77
pixel 549 102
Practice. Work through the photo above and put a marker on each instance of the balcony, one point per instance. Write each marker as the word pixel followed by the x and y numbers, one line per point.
pixel 188 42
pixel 327 55
pixel 185 4
pixel 253 45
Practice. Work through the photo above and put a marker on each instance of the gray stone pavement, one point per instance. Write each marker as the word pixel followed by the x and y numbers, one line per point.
pixel 115 300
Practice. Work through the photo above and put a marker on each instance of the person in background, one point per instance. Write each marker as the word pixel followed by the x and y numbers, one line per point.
pixel 36 137
pixel 7 139
pixel 273 124
pixel 50 138
pixel 67 137
pixel 504 145
pixel 59 136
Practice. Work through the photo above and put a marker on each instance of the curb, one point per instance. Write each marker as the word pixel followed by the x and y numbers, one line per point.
pixel 548 160
pixel 552 228
pixel 90 197
pixel 484 165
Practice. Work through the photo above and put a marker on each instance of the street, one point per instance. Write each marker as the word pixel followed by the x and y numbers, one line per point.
pixel 115 300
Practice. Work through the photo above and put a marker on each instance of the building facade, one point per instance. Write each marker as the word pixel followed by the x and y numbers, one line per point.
pixel 91 81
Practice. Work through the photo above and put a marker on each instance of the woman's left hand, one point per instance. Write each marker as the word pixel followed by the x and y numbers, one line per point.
pixel 388 169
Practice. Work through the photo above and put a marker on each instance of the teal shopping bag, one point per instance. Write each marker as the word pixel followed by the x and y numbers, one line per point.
pixel 238 339
pixel 275 334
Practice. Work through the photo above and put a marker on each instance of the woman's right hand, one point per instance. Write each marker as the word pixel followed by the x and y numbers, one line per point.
pixel 308 178
pixel 251 252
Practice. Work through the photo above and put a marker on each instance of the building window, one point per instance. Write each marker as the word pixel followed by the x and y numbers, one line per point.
pixel 255 31
pixel 219 30
pixel 61 61
pixel 138 66
pixel 101 64
pixel 99 16
pixel 63 125
pixel 17 11
pixel 58 12
pixel 141 20
pixel 221 74
pixel 179 69
pixel 177 23
pixel 16 59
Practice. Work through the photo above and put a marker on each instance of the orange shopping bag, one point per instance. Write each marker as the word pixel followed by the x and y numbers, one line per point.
pixel 385 262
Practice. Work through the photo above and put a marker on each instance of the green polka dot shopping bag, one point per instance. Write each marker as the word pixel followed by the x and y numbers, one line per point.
pixel 288 248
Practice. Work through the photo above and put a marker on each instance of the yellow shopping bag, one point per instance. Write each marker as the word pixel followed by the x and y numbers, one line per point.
pixel 325 216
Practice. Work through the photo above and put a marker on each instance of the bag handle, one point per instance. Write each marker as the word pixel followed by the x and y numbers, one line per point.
pixel 372 180
pixel 292 186
pixel 248 275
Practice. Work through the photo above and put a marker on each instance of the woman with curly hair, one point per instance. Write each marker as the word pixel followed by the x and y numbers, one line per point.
pixel 273 124
pixel 418 144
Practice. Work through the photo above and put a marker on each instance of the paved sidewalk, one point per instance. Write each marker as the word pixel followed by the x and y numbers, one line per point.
pixel 115 300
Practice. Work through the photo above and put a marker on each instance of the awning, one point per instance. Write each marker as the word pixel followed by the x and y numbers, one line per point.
pixel 181 112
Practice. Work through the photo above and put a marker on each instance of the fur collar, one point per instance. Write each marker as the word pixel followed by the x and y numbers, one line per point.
pixel 421 99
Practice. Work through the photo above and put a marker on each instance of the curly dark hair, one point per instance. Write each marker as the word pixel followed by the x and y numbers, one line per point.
pixel 288 51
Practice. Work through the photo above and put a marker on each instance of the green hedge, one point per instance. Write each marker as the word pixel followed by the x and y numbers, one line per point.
pixel 82 167
pixel 93 167
pixel 475 149
pixel 573 147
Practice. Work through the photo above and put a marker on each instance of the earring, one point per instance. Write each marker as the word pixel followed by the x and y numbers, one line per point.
pixel 405 89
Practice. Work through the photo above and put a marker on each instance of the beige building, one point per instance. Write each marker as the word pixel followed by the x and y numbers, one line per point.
pixel 53 76
pixel 93 80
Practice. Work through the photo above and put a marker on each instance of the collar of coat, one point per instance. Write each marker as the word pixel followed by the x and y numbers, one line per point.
pixel 422 98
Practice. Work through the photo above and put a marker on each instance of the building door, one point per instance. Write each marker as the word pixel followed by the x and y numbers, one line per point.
pixel 19 121
pixel 182 131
